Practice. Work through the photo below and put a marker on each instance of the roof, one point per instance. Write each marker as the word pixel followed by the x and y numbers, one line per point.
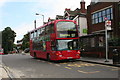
pixel 59 17
pixel 73 13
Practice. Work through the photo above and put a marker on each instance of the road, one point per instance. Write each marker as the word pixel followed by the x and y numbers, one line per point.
pixel 24 66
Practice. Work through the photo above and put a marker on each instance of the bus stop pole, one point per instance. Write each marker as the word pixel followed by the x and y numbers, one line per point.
pixel 106 41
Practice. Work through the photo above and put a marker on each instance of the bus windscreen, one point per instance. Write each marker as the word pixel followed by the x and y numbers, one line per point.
pixel 66 29
pixel 67 45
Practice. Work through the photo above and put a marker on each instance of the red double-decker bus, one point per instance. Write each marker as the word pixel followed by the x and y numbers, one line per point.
pixel 56 40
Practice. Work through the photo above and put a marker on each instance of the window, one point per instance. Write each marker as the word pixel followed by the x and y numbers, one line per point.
pixel 100 16
pixel 38 32
pixel 67 45
pixel 35 34
pixel 66 30
pixel 50 29
pixel 101 43
pixel 32 35
pixel 92 42
pixel 44 46
pixel 42 30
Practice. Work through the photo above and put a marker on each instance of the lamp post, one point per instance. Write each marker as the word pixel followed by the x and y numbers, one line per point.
pixel 35 24
pixel 42 16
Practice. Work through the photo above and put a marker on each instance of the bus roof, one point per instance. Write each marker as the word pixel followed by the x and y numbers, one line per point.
pixel 50 23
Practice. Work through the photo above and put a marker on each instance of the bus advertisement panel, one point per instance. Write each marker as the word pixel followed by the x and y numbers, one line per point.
pixel 56 40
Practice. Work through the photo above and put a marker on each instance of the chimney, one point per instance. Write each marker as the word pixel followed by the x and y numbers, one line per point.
pixel 82 4
pixel 66 9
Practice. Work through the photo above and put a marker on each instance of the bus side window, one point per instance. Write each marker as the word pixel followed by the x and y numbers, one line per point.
pixel 38 32
pixel 51 28
pixel 31 35
pixel 35 34
pixel 42 30
pixel 53 45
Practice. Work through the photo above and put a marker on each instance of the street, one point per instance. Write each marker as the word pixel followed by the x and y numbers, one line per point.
pixel 24 66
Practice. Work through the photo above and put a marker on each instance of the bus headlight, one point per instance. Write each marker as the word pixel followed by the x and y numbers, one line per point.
pixel 78 52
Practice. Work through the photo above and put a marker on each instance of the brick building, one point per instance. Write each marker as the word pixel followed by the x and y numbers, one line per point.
pixel 94 42
pixel 96 14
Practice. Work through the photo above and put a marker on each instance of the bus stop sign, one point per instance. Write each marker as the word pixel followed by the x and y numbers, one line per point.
pixel 108 23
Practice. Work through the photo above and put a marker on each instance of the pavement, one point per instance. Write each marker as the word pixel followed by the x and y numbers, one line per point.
pixel 5 73
pixel 102 61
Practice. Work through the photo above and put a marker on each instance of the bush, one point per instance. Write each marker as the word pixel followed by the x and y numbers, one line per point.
pixel 114 42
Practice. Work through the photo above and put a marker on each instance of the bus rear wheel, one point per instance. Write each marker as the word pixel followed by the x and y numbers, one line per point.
pixel 48 57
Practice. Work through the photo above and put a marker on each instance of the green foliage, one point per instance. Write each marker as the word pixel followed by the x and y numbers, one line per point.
pixel 25 43
pixel 8 37
pixel 114 42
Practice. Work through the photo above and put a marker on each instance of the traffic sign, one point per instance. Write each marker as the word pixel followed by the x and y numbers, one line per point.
pixel 108 23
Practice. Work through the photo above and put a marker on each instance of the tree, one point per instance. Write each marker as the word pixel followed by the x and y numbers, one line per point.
pixel 25 43
pixel 8 37
pixel 114 42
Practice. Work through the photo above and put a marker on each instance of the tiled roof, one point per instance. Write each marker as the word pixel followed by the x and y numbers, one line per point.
pixel 59 17
pixel 75 12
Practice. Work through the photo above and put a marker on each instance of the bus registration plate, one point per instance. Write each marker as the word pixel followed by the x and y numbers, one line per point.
pixel 69 57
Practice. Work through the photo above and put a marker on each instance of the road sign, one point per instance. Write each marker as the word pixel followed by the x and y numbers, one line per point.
pixel 108 23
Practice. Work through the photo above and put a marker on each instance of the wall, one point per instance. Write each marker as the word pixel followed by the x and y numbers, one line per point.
pixel 82 22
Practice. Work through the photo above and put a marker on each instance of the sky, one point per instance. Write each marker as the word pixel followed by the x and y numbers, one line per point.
pixel 20 14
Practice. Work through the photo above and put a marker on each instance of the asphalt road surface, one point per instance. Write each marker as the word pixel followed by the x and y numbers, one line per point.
pixel 24 66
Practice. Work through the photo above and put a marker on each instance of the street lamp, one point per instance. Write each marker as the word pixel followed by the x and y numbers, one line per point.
pixel 35 23
pixel 42 16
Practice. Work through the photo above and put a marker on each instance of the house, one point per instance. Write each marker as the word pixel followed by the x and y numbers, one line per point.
pixel 97 13
pixel 59 17
pixel 80 16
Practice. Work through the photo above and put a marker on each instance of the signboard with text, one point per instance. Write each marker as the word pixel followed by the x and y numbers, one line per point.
pixel 108 24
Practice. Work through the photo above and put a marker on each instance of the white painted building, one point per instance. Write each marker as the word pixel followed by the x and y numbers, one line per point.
pixel 80 16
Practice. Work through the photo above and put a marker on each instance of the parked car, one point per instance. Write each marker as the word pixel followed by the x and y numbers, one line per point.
pixel 1 51
pixel 13 51
pixel 27 50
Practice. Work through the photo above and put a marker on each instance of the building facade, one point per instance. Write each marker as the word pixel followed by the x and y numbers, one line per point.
pixel 79 15
pixel 97 14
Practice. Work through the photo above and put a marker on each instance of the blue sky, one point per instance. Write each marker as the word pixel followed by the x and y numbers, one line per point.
pixel 20 15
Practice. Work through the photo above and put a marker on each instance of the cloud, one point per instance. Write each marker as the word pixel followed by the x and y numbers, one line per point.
pixel 2 2
pixel 50 8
